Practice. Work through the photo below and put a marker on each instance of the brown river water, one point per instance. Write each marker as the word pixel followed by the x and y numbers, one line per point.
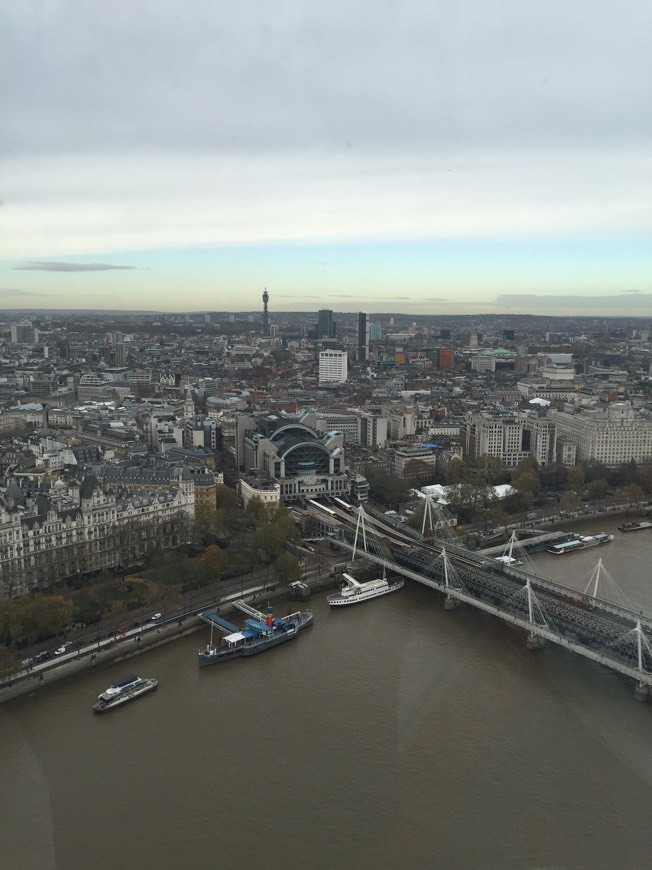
pixel 389 735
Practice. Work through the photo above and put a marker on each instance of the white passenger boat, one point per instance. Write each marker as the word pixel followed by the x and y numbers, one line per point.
pixel 353 592
pixel 124 690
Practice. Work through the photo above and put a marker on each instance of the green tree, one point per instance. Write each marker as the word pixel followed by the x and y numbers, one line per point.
pixel 386 488
pixel 495 516
pixel 276 530
pixel 492 469
pixel 287 568
pixel 526 481
pixel 215 559
pixel 598 488
pixel 458 471
pixel 574 479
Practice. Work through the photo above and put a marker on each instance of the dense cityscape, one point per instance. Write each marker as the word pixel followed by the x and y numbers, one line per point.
pixel 129 436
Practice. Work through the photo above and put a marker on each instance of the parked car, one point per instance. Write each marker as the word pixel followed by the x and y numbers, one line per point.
pixel 155 617
pixel 43 656
pixel 63 648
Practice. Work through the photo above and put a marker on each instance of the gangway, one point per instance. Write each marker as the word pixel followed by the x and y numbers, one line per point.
pixel 250 611
pixel 218 622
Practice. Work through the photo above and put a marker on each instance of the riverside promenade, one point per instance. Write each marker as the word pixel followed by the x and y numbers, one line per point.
pixel 136 641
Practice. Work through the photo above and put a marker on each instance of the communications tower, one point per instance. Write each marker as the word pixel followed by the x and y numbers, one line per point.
pixel 265 313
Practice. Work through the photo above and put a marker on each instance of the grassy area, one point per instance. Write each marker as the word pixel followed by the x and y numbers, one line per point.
pixel 132 590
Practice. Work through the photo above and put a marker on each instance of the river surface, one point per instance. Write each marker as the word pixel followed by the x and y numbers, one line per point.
pixel 390 735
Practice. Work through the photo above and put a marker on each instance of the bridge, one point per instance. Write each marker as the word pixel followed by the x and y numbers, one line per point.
pixel 582 622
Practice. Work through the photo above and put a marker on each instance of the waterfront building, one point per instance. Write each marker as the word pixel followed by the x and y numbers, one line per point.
pixel 612 434
pixel 78 527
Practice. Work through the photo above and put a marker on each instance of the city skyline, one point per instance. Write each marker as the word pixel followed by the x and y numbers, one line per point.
pixel 431 159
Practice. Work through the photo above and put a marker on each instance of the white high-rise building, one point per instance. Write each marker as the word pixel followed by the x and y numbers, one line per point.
pixel 333 367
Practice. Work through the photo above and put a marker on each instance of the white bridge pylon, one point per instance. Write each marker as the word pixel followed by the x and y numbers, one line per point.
pixel 602 585
pixel 634 644
pixel 434 519
pixel 368 537
pixel 526 600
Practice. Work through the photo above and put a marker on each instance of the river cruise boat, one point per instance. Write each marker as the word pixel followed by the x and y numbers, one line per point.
pixel 579 542
pixel 354 592
pixel 122 691
pixel 261 632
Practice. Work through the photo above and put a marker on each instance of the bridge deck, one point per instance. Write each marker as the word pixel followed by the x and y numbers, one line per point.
pixel 546 538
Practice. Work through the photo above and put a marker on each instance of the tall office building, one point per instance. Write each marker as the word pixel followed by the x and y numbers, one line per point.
pixel 333 367
pixel 363 337
pixel 325 324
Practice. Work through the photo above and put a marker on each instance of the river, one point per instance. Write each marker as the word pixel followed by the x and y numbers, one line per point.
pixel 390 735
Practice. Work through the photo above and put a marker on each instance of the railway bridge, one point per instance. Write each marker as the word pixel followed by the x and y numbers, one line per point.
pixel 545 610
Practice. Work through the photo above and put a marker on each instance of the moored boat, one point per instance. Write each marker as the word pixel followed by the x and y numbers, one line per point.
pixel 261 632
pixel 354 592
pixel 579 542
pixel 122 691
pixel 634 527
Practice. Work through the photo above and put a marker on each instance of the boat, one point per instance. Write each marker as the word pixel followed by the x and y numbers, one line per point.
pixel 261 632
pixel 579 542
pixel 634 527
pixel 122 691
pixel 353 592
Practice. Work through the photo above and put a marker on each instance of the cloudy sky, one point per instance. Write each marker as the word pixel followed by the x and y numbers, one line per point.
pixel 384 155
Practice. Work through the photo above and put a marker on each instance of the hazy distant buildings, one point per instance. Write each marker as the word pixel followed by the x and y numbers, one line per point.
pixel 23 333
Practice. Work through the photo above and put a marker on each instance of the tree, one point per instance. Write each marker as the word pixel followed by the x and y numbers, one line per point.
pixel 633 492
pixel 492 468
pixel 215 559
pixel 386 488
pixel 458 471
pixel 574 478
pixel 597 489
pixel 526 481
pixel 276 531
pixel 287 568
pixel 495 516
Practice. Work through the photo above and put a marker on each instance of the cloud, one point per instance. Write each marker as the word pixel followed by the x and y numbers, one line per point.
pixel 15 291
pixel 39 266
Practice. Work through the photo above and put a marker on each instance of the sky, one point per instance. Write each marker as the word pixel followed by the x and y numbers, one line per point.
pixel 417 156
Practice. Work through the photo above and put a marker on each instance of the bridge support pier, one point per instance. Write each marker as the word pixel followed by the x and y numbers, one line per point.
pixel 535 641
pixel 451 603
pixel 641 692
